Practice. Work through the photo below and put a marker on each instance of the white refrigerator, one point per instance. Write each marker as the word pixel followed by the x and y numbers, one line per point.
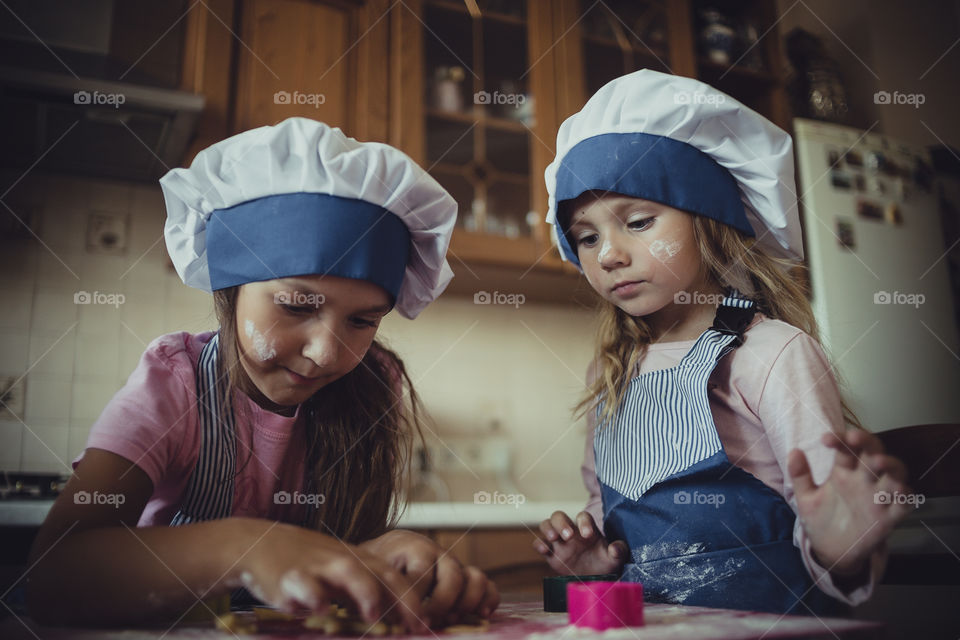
pixel 880 286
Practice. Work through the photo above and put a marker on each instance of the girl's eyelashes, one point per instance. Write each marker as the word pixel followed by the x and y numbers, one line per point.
pixel 365 323
pixel 295 310
pixel 587 240
pixel 637 224
pixel 360 323
pixel 641 224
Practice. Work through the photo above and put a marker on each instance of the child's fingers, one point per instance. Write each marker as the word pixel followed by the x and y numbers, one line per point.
pixel 845 457
pixel 403 602
pixel 800 474
pixel 586 525
pixel 855 442
pixel 298 589
pixel 450 584
pixel 562 523
pixel 884 464
pixel 862 440
pixel 491 600
pixel 473 591
pixel 419 568
pixel 617 550
pixel 542 547
pixel 549 533
pixel 377 589
pixel 895 509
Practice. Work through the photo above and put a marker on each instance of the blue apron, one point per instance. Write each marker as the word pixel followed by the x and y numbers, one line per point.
pixel 701 531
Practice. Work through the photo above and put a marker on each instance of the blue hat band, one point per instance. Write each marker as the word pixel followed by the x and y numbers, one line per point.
pixel 657 168
pixel 294 234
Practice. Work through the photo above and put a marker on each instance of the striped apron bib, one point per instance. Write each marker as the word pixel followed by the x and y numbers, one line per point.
pixel 209 494
pixel 701 531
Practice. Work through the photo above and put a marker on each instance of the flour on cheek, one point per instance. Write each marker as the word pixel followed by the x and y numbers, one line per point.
pixel 664 250
pixel 264 348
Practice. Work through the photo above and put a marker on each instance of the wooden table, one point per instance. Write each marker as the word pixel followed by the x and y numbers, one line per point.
pixel 526 620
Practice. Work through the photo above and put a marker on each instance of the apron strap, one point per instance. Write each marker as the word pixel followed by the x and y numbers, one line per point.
pixel 209 494
pixel 732 318
pixel 734 315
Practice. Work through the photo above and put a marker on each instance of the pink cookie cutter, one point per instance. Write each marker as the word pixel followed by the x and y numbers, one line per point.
pixel 605 605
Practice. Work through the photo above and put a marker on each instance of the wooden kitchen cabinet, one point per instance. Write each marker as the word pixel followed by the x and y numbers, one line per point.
pixel 289 64
pixel 602 41
pixel 506 555
pixel 261 61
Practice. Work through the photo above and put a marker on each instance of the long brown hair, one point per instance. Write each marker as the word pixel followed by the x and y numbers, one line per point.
pixel 729 259
pixel 360 431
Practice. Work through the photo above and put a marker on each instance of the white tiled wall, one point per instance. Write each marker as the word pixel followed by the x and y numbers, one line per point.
pixel 475 366
pixel 76 356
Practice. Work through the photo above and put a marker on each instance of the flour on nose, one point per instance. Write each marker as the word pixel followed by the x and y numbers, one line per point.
pixel 663 250
pixel 604 250
pixel 264 349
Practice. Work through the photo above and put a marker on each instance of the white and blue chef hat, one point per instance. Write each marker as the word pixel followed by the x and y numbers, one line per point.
pixel 682 143
pixel 301 198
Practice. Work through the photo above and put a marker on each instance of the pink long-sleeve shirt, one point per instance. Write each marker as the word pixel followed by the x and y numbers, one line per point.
pixel 774 393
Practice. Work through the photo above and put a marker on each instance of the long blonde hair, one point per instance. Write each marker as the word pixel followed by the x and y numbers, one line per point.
pixel 360 428
pixel 729 259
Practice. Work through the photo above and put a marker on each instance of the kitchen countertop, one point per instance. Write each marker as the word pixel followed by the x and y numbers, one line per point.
pixel 419 515
pixel 466 515
pixel 24 513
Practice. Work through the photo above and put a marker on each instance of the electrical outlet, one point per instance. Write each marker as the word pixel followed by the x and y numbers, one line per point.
pixel 12 395
pixel 107 232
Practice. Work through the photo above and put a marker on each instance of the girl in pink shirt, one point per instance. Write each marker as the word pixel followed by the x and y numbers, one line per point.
pixel 268 456
pixel 718 461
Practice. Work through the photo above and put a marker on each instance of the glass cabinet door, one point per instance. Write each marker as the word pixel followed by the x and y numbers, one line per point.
pixel 620 36
pixel 479 108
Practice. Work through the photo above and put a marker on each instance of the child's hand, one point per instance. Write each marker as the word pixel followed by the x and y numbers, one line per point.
pixel 454 590
pixel 578 549
pixel 843 517
pixel 294 568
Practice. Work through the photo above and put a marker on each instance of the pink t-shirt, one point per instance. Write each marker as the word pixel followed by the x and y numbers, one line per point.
pixel 774 393
pixel 153 422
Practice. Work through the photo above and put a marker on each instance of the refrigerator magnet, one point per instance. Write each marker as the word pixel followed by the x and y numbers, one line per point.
pixel 840 179
pixel 853 158
pixel 869 210
pixel 875 185
pixel 892 215
pixel 901 189
pixel 845 234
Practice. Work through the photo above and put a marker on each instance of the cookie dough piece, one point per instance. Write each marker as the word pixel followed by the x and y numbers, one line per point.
pixel 469 624
pixel 232 623
pixel 339 621
pixel 265 614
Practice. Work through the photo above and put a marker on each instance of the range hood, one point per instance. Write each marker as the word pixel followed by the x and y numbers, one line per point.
pixel 94 127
